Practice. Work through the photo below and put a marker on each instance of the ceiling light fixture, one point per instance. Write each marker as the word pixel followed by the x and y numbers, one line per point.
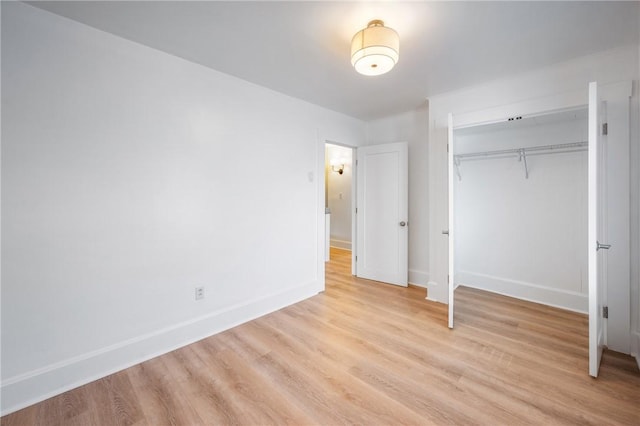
pixel 375 49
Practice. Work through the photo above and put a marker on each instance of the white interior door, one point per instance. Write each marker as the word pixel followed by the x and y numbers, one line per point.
pixel 595 233
pixel 451 228
pixel 382 213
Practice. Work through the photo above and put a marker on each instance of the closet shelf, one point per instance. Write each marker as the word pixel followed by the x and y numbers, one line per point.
pixel 521 153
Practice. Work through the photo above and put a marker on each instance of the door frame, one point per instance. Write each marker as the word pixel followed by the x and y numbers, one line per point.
pixel 451 269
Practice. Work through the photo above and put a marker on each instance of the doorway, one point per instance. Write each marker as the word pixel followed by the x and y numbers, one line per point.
pixel 339 199
pixel 369 203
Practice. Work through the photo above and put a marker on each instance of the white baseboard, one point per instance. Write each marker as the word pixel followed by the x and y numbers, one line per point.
pixel 341 244
pixel 419 278
pixel 430 286
pixel 29 388
pixel 571 301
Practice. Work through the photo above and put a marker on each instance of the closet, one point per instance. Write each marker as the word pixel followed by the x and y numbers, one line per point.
pixel 520 197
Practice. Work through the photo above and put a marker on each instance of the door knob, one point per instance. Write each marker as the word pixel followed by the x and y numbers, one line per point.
pixel 602 246
pixel 403 223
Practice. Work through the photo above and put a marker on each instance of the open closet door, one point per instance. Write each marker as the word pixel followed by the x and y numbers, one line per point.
pixel 450 231
pixel 595 232
pixel 382 213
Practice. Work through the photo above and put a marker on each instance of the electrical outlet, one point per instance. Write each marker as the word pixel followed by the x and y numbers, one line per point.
pixel 199 293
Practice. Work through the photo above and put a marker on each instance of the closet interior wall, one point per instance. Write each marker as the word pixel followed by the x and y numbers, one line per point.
pixel 524 236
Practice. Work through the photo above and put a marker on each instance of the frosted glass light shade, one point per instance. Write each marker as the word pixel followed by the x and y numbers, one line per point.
pixel 375 49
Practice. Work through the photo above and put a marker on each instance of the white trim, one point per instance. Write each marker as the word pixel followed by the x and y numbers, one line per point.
pixel 341 244
pixel 321 217
pixel 430 286
pixel 37 385
pixel 451 231
pixel 354 203
pixel 327 237
pixel 569 300
pixel 419 278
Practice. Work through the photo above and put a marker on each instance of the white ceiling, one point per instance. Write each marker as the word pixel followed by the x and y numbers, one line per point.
pixel 302 48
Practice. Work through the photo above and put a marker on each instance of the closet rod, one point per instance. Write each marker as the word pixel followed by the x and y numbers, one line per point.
pixel 559 148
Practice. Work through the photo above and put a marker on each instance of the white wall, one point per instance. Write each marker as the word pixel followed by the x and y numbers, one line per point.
pixel 129 177
pixel 523 237
pixel 339 196
pixel 411 127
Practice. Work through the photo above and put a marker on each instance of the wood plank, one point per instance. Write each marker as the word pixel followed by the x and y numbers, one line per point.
pixel 367 352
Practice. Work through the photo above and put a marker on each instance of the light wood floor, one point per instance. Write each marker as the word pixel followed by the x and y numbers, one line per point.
pixel 369 353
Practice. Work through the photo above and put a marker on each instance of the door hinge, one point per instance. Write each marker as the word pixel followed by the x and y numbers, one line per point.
pixel 356 210
pixel 448 279
pixel 356 162
pixel 605 312
pixel 447 148
pixel 356 258
pixel 605 128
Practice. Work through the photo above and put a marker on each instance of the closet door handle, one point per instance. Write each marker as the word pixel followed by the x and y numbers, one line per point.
pixel 445 232
pixel 602 246
pixel 403 223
